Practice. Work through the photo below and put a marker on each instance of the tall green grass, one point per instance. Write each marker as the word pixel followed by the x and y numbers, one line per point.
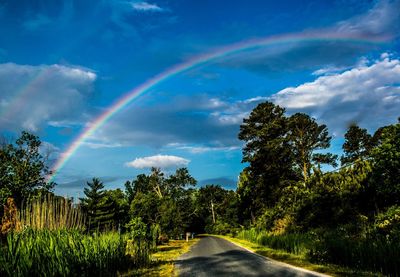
pixel 296 243
pixel 51 213
pixel 49 239
pixel 373 253
pixel 62 253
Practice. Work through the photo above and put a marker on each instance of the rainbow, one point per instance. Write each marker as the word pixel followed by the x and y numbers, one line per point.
pixel 22 92
pixel 197 61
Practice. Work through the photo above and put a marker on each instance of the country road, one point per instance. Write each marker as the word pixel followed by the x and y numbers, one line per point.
pixel 213 256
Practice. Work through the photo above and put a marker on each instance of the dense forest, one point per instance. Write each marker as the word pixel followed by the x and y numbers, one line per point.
pixel 293 195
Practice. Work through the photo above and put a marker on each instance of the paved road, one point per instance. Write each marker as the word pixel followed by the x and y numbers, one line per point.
pixel 213 256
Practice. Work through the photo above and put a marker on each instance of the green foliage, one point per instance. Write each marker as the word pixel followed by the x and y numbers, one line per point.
pixel 62 253
pixel 295 243
pixel 267 150
pixel 141 242
pixel 357 145
pixel 306 136
pixel 374 253
pixel 388 223
pixel 23 170
pixel 349 217
pixel 99 208
pixel 162 200
pixel 218 208
pixel 386 176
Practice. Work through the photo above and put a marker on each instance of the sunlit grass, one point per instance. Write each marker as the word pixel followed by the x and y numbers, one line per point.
pixel 163 259
pixel 62 253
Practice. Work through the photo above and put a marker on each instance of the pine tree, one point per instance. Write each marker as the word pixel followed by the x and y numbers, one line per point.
pixel 357 145
pixel 99 208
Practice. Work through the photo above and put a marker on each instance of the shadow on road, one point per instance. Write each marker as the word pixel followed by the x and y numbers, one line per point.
pixel 233 263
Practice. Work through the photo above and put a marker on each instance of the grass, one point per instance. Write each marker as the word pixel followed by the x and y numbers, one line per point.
pixel 298 260
pixel 51 212
pixel 62 253
pixel 163 259
pixel 47 237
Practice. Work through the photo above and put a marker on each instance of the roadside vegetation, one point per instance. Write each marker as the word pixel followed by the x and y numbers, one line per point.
pixel 294 198
pixel 348 216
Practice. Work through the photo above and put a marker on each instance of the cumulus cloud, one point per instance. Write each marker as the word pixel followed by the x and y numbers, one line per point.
pixel 162 161
pixel 146 7
pixel 368 94
pixel 31 96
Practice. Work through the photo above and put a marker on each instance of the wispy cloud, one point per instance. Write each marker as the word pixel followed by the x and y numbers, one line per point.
pixel 31 96
pixel 36 22
pixel 162 161
pixel 382 19
pixel 197 149
pixel 368 94
pixel 146 7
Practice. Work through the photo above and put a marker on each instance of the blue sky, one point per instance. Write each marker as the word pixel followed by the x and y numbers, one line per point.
pixel 63 63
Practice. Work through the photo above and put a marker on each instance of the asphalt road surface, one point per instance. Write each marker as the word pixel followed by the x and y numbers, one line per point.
pixel 213 256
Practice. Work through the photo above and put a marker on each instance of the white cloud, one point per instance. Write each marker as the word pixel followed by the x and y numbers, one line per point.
pixel 32 96
pixel 382 19
pixel 98 145
pixel 198 149
pixel 146 7
pixel 368 94
pixel 162 161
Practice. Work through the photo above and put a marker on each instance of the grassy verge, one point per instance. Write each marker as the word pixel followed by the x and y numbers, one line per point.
pixel 296 260
pixel 163 260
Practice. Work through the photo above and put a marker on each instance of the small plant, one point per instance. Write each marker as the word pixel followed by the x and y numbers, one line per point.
pixel 140 242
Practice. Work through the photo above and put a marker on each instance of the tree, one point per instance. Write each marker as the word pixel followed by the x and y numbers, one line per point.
pixel 386 174
pixel 357 145
pixel 119 205
pixel 163 201
pixel 139 185
pixel 268 151
pixel 23 171
pixel 306 136
pixel 99 208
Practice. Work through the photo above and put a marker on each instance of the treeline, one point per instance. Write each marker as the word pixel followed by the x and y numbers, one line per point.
pixel 168 205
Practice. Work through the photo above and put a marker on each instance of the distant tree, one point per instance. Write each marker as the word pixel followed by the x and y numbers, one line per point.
pixel 357 145
pixel 120 206
pixel 23 171
pixel 140 184
pixel 163 200
pixel 218 207
pixel 178 181
pixel 307 136
pixel 157 182
pixel 99 208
